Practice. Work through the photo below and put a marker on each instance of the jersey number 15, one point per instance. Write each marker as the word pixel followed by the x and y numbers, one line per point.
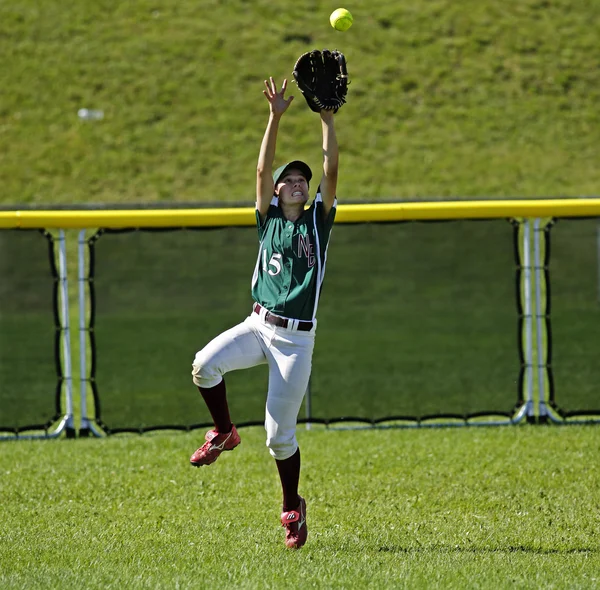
pixel 274 262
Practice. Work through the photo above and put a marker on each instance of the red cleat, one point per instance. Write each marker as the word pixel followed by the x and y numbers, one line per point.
pixel 215 444
pixel 296 530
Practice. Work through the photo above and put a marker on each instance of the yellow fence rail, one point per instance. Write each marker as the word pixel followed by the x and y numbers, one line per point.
pixel 244 216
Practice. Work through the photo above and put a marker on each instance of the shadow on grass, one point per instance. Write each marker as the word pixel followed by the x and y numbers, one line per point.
pixel 486 550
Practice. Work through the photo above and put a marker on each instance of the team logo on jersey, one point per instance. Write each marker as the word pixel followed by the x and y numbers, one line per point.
pixel 306 248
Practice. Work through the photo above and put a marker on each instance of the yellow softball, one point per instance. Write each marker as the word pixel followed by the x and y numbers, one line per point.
pixel 341 19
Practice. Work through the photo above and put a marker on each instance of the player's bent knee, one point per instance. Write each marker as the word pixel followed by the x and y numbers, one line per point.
pixel 204 374
pixel 282 448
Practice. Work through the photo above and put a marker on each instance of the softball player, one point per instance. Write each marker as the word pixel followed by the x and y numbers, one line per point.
pixel 280 330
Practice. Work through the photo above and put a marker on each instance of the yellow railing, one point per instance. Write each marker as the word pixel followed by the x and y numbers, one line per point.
pixel 350 213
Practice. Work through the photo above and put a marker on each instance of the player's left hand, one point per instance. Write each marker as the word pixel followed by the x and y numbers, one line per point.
pixel 278 103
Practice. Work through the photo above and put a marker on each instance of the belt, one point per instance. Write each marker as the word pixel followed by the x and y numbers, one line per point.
pixel 280 322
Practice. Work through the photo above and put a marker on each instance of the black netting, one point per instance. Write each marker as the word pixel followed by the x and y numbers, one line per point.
pixel 159 296
pixel 574 315
pixel 29 332
pixel 416 319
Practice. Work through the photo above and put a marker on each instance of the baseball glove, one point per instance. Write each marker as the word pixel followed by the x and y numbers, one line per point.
pixel 322 78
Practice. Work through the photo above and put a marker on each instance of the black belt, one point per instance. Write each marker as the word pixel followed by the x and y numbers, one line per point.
pixel 280 322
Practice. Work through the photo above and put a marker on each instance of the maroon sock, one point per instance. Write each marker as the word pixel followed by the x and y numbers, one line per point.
pixel 216 401
pixel 289 473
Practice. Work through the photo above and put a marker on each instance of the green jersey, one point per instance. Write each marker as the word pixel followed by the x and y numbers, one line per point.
pixel 290 268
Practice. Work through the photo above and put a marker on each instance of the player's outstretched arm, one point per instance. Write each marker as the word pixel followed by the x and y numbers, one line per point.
pixel 264 170
pixel 330 161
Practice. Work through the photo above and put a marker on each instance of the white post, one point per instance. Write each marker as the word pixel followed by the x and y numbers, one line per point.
pixel 66 334
pixel 540 317
pixel 527 309
pixel 86 426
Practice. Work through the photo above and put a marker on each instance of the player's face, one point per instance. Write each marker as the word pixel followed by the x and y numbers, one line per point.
pixel 292 188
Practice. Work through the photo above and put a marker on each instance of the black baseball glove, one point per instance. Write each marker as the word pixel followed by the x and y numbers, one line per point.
pixel 322 78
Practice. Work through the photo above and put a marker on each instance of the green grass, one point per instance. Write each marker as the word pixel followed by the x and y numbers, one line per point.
pixel 514 507
pixel 447 99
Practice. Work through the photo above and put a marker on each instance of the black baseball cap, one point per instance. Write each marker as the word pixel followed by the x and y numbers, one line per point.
pixel 298 165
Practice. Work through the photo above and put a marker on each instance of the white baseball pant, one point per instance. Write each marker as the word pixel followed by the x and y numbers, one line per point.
pixel 288 353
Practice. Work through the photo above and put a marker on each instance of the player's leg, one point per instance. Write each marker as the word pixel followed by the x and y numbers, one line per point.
pixel 237 348
pixel 290 364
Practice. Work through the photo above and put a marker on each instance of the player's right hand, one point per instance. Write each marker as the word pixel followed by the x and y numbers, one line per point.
pixel 278 103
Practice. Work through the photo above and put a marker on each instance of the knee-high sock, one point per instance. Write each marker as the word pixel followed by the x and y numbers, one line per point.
pixel 289 473
pixel 216 401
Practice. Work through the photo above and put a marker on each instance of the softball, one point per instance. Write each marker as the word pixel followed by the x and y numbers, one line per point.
pixel 341 19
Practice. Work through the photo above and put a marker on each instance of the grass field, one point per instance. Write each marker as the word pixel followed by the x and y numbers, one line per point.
pixel 447 99
pixel 512 507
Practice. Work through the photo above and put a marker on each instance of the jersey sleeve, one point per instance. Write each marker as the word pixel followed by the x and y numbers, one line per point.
pixel 324 224
pixel 272 212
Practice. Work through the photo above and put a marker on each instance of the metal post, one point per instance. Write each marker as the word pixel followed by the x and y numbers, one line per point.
pixel 528 319
pixel 86 427
pixel 66 334
pixel 540 315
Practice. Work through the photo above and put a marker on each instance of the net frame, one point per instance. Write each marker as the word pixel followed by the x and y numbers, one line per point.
pixel 62 420
pixel 550 408
pixel 523 407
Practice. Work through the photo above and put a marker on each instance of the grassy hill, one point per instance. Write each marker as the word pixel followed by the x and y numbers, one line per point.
pixel 470 99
